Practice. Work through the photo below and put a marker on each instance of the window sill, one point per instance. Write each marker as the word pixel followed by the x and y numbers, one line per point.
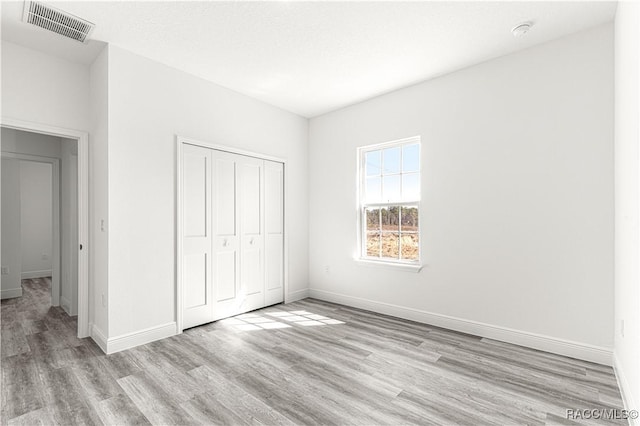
pixel 390 265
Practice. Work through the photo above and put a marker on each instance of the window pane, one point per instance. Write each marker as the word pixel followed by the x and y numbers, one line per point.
pixel 409 219
pixel 411 187
pixel 391 160
pixel 390 218
pixel 373 190
pixel 373 244
pixel 410 246
pixel 391 188
pixel 373 219
pixel 411 158
pixel 373 163
pixel 390 245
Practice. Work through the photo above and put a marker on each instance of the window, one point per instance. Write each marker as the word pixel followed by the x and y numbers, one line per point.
pixel 390 201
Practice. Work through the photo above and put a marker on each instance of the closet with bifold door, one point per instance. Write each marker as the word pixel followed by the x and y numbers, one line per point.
pixel 232 234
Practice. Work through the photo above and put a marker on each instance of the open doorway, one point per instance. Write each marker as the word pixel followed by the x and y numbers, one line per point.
pixel 44 220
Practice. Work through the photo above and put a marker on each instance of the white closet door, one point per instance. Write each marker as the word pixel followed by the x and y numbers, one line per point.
pixel 233 234
pixel 226 241
pixel 251 204
pixel 274 232
pixel 196 262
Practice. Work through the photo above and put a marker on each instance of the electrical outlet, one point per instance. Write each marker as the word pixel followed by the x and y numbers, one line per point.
pixel 622 328
pixel 5 270
pixel 104 301
pixel 326 269
pixel 102 225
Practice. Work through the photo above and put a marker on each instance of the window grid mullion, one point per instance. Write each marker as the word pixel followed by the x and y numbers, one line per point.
pixel 380 233
pixel 364 229
pixel 401 170
pixel 399 207
pixel 400 231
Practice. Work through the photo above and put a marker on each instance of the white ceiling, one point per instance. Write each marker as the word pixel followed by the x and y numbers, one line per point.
pixel 311 57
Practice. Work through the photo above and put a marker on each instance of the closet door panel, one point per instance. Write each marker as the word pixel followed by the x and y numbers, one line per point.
pixel 226 241
pixel 252 236
pixel 195 194
pixel 196 225
pixel 225 198
pixel 274 197
pixel 274 261
pixel 274 232
pixel 195 280
pixel 251 196
pixel 225 276
pixel 251 280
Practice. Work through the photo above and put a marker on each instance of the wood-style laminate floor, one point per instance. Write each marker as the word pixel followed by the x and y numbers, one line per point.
pixel 308 362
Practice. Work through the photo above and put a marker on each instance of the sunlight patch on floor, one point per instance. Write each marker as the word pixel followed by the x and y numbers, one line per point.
pixel 276 319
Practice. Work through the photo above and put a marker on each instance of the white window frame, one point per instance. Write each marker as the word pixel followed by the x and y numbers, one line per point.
pixel 361 255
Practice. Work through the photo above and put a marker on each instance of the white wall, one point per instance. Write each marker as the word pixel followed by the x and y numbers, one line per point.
pixel 149 104
pixel 40 88
pixel 98 197
pixel 627 140
pixel 11 250
pixel 517 198
pixel 36 218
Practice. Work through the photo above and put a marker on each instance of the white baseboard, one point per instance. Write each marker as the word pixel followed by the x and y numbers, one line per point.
pixel 137 338
pixel 297 295
pixel 36 274
pixel 597 354
pixel 11 293
pixel 98 336
pixel 625 390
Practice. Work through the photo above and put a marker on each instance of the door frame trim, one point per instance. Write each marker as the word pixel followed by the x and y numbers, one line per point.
pixel 179 232
pixel 83 206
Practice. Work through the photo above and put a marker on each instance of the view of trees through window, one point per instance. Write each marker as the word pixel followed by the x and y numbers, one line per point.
pixel 390 196
pixel 392 232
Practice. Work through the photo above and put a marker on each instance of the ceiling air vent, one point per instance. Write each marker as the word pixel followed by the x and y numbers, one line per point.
pixel 56 20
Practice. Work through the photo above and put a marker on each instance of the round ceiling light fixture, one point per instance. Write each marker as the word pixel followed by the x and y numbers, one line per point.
pixel 521 29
